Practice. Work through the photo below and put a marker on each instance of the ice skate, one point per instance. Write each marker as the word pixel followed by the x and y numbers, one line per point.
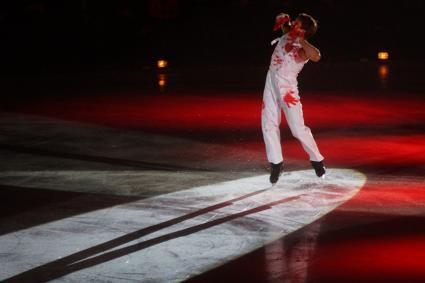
pixel 319 167
pixel 275 171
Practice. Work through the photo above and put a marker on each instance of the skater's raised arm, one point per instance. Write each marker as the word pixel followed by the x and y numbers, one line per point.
pixel 310 51
pixel 283 22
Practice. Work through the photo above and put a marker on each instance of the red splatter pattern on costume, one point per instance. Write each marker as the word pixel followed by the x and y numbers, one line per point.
pixel 292 36
pixel 277 60
pixel 289 99
pixel 289 46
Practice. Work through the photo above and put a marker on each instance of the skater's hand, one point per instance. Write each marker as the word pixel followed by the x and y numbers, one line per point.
pixel 281 19
pixel 289 99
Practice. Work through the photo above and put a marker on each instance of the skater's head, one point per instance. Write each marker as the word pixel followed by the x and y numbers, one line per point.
pixel 306 24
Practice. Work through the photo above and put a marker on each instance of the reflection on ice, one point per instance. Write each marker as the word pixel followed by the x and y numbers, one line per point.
pixel 291 260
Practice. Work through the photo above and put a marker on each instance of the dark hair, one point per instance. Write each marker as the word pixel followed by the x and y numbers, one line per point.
pixel 309 24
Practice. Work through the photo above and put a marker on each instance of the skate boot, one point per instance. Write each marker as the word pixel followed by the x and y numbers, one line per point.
pixel 275 171
pixel 319 167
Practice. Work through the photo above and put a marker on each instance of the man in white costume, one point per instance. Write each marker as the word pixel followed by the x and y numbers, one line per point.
pixel 281 92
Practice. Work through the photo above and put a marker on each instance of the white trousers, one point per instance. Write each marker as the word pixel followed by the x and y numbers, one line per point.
pixel 274 92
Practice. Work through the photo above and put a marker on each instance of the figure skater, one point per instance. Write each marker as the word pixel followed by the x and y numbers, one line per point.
pixel 281 92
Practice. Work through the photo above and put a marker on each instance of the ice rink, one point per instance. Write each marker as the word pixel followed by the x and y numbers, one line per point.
pixel 134 184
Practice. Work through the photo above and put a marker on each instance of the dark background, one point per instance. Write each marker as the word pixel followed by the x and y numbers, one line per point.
pixel 51 36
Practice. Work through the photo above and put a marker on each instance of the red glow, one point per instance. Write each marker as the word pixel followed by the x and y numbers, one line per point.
pixel 385 241
pixel 400 196
pixel 180 114
pixel 228 112
pixel 391 257
pixel 366 150
pixel 353 151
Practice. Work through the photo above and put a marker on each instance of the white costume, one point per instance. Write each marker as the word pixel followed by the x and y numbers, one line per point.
pixel 281 81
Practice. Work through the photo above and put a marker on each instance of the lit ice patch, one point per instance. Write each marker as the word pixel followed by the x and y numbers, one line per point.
pixel 175 236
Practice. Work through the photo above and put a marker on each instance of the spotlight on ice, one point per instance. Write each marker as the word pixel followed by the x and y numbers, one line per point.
pixel 174 236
